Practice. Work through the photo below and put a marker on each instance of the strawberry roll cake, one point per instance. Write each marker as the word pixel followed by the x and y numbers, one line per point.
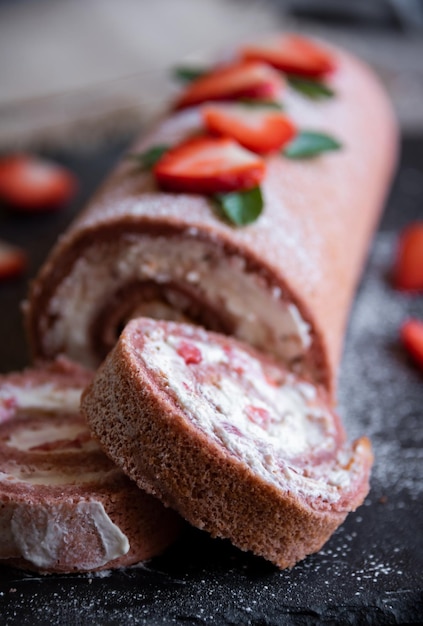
pixel 235 442
pixel 64 506
pixel 240 217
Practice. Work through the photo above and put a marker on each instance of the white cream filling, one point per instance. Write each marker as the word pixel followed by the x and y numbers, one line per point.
pixel 36 476
pixel 259 315
pixel 42 397
pixel 297 425
pixel 40 535
pixel 25 438
pixel 47 398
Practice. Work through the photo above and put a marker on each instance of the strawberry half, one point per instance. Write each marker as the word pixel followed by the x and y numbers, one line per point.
pixel 259 129
pixel 408 267
pixel 32 184
pixel 292 54
pixel 412 338
pixel 13 261
pixel 209 165
pixel 239 80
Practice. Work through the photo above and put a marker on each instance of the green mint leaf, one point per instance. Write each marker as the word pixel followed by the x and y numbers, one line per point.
pixel 187 73
pixel 241 207
pixel 266 104
pixel 308 144
pixel 313 89
pixel 146 160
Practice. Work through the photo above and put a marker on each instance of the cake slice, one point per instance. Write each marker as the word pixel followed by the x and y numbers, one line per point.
pixel 229 438
pixel 64 506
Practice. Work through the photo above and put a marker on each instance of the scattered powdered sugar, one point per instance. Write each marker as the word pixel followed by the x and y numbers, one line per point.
pixel 381 391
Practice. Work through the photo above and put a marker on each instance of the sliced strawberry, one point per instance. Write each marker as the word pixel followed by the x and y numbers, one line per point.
pixel 33 184
pixel 292 54
pixel 239 80
pixel 13 261
pixel 209 165
pixel 408 267
pixel 412 338
pixel 190 353
pixel 259 129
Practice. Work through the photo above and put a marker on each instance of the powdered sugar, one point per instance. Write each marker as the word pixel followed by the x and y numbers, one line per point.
pixel 380 388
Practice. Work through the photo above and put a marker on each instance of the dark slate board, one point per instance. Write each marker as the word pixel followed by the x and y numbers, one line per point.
pixel 370 572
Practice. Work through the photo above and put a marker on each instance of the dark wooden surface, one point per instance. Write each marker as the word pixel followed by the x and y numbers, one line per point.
pixel 370 572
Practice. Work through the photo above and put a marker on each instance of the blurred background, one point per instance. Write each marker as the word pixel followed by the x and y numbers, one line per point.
pixel 76 73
